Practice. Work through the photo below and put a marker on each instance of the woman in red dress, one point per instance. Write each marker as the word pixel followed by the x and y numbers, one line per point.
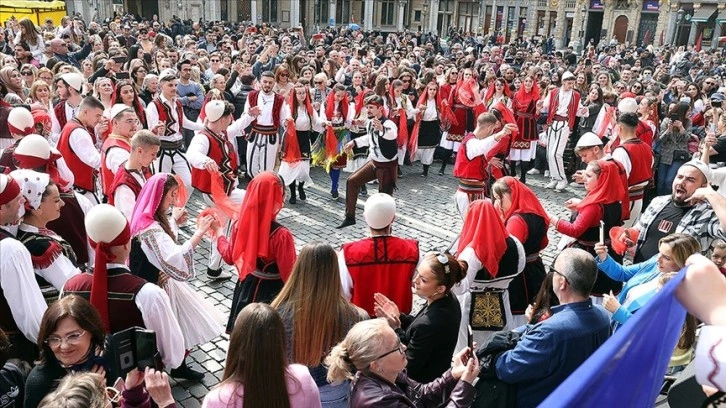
pixel 524 145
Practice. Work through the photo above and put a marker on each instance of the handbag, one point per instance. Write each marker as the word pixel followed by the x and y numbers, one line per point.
pixel 681 155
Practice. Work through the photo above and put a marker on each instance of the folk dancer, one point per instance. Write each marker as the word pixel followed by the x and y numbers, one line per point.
pixel 69 87
pixel 132 174
pixel 167 109
pixel 561 105
pixel 357 129
pixel 380 138
pixel 524 145
pixel 328 148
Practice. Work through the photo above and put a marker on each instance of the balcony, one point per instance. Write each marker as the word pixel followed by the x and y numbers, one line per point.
pixel 542 3
pixel 570 5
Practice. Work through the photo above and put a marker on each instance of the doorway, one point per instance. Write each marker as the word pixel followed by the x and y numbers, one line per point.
pixel 594 27
pixel 621 28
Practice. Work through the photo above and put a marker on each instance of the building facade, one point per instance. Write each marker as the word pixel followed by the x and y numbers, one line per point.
pixel 570 22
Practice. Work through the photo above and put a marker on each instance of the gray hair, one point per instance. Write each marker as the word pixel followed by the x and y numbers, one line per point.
pixel 580 269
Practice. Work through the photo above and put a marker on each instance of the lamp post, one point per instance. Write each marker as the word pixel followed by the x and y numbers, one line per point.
pixel 583 15
pixel 679 20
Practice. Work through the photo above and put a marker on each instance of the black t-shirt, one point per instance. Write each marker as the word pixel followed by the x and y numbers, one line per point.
pixel 720 147
pixel 12 386
pixel 665 223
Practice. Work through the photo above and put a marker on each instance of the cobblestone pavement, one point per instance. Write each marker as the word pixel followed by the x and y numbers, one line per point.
pixel 425 211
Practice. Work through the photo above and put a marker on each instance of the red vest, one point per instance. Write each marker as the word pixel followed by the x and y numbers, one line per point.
pixel 7 322
pixel 644 133
pixel 276 106
pixel 60 113
pixel 641 161
pixel 222 152
pixel 107 175
pixel 464 168
pixel 571 109
pixel 166 116
pixel 124 177
pixel 84 175
pixel 382 264
pixel 122 290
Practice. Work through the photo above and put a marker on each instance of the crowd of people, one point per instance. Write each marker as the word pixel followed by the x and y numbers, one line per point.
pixel 108 128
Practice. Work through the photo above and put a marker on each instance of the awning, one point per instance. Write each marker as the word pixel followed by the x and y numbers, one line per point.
pixel 721 18
pixel 704 13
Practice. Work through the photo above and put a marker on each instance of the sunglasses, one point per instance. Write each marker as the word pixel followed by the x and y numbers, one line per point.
pixel 318 82
pixel 26 73
pixel 214 60
pixel 553 270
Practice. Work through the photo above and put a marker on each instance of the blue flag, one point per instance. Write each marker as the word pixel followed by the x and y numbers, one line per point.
pixel 628 370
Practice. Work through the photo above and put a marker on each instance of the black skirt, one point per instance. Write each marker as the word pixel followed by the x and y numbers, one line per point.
pixel 429 134
pixel 252 289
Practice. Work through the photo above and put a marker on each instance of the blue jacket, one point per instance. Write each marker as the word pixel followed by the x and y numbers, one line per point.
pixel 633 276
pixel 551 350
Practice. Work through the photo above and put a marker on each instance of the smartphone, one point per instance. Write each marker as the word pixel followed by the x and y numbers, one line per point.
pixel 602 232
pixel 470 338
pixel 122 75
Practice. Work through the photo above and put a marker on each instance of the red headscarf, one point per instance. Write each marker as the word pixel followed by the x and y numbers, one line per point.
pixel 507 116
pixel 50 165
pixel 261 204
pixel 467 95
pixel 492 89
pixel 360 100
pixel 292 152
pixel 485 233
pixel 609 189
pixel 524 201
pixel 523 98
pixel 402 119
pixel 330 105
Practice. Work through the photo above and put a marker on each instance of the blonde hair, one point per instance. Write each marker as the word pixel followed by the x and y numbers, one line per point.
pixel 84 390
pixel 361 347
pixel 682 246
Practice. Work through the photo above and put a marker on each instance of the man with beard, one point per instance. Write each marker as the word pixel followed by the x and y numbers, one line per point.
pixel 266 111
pixel 692 208
pixel 69 88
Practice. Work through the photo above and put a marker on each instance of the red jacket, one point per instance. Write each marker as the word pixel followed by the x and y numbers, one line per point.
pixel 107 176
pixel 84 175
pixel 382 264
pixel 475 169
pixel 222 152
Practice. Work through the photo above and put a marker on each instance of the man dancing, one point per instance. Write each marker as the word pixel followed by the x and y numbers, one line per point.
pixel 562 105
pixel 381 139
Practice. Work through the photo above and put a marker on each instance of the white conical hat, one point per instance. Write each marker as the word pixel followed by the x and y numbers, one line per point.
pixel 628 105
pixel 104 223
pixel 34 145
pixel 74 80
pixel 214 110
pixel 379 210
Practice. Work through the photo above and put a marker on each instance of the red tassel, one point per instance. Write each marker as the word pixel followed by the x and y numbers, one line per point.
pixel 402 128
pixel 292 153
pixel 220 198
pixel 331 143
pixel 413 140
pixel 49 256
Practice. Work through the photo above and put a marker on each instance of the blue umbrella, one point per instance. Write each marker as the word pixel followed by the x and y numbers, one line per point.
pixel 354 26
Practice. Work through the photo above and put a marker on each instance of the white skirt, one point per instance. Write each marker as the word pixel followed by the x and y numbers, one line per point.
pixel 200 322
pixel 448 144
pixel 524 154
pixel 298 171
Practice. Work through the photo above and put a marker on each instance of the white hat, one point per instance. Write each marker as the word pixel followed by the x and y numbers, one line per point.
pixel 117 109
pixel 588 139
pixel 74 80
pixel 568 75
pixel 167 72
pixel 33 145
pixel 628 105
pixel 104 223
pixel 702 167
pixel 32 185
pixel 379 210
pixel 20 122
pixel 214 110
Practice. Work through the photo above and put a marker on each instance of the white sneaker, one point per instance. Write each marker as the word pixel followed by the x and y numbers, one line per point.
pixel 547 173
pixel 533 172
pixel 551 184
pixel 561 185
pixel 576 185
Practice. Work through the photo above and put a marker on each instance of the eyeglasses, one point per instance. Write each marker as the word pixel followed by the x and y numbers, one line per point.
pixel 284 75
pixel 130 122
pixel 553 270
pixel 45 78
pixel 71 339
pixel 398 348
pixel 113 395
pixel 26 73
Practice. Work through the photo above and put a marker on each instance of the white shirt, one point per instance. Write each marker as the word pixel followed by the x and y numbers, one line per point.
pixel 82 145
pixel 55 127
pixel 479 147
pixel 265 103
pixel 564 103
pixel 152 118
pixel 125 199
pixel 20 288
pixel 430 113
pixel 177 261
pixel 115 157
pixel 621 156
pixel 371 139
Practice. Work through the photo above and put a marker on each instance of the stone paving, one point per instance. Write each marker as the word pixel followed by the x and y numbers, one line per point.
pixel 426 212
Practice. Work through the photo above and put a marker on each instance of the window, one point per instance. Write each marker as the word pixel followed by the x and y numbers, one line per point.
pixel 417 15
pixel 343 11
pixel 321 11
pixel 487 18
pixel 269 11
pixel 388 8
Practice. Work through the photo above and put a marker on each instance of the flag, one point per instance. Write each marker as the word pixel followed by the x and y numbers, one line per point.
pixel 698 42
pixel 628 370
pixel 646 38
pixel 662 35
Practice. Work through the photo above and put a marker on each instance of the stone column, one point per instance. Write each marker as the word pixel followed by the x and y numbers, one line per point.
pixel 401 7
pixel 433 15
pixel 692 35
pixel 294 13
pixel 665 24
pixel 253 12
pixel 578 23
pixel 561 23
pixel 493 22
pixel 530 28
pixel 368 20
pixel 331 14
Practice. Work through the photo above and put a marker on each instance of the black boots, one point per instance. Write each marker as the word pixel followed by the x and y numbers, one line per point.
pixel 347 222
pixel 445 160
pixel 293 200
pixel 186 373
pixel 426 170
pixel 301 191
